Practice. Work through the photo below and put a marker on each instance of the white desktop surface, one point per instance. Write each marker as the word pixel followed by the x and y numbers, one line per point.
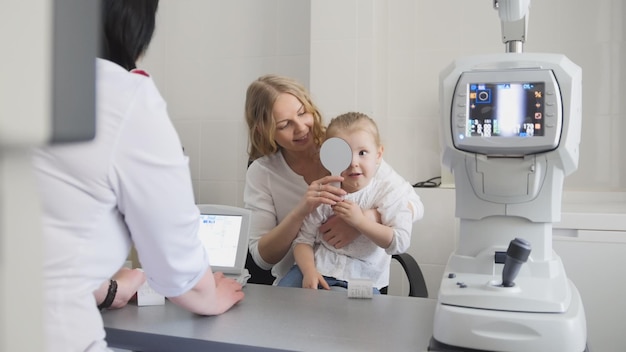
pixel 278 318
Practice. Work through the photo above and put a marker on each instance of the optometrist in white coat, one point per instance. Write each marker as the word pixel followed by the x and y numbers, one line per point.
pixel 130 185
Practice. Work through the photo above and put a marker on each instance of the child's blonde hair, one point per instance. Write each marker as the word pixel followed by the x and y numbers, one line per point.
pixel 352 121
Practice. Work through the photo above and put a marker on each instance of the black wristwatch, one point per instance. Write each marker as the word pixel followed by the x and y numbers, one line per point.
pixel 110 295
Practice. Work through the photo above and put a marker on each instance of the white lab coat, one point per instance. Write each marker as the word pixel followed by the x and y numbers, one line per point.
pixel 131 183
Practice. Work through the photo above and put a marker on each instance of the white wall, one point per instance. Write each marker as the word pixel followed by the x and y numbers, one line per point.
pixel 384 57
pixel 381 57
pixel 203 56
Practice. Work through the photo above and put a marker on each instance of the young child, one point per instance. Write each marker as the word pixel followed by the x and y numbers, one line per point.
pixel 321 265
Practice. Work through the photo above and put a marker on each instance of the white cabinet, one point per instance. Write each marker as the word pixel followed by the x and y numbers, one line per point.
pixel 591 241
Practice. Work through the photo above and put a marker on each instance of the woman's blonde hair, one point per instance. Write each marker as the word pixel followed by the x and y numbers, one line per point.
pixel 260 98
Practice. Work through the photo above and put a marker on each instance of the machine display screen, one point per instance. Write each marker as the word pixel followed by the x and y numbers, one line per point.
pixel 505 109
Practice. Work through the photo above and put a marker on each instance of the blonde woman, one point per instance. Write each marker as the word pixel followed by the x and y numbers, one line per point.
pixel 286 180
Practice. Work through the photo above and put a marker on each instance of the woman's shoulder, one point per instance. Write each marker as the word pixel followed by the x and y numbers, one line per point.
pixel 269 163
pixel 273 168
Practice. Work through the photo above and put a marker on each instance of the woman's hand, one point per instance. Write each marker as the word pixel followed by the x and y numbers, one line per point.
pixel 275 244
pixel 339 233
pixel 321 192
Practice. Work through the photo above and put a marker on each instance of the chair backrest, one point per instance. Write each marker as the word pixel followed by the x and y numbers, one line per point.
pixel 258 275
pixel 417 284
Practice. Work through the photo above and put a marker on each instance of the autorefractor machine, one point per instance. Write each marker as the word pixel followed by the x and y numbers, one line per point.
pixel 511 125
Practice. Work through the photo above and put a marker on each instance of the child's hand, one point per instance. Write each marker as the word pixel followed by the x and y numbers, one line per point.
pixel 350 212
pixel 314 280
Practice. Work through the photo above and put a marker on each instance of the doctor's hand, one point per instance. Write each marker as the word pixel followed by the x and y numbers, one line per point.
pixel 214 294
pixel 228 291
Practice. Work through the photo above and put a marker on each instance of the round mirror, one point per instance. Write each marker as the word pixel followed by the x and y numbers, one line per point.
pixel 335 155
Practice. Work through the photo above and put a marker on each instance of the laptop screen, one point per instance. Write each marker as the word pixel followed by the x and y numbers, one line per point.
pixel 224 232
pixel 220 235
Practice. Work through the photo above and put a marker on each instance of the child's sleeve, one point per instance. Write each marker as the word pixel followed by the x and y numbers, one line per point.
pixel 391 181
pixel 396 213
pixel 309 231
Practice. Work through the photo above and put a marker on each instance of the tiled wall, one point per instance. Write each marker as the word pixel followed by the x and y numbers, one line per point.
pixel 203 56
pixel 382 57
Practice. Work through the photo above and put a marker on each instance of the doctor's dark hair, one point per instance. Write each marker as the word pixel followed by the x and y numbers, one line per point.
pixel 127 29
pixel 260 98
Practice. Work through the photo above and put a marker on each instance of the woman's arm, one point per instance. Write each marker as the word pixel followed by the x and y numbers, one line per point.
pixel 271 241
pixel 276 243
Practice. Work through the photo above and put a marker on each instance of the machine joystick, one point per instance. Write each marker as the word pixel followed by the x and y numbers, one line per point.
pixel 516 255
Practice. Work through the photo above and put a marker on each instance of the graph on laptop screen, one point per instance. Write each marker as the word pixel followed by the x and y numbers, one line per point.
pixel 220 236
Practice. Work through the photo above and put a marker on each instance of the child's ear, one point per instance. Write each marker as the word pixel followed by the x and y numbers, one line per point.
pixel 379 156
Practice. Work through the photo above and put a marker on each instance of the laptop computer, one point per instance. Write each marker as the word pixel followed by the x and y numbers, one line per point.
pixel 224 232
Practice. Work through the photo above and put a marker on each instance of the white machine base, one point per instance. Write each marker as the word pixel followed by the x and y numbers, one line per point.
pixel 470 329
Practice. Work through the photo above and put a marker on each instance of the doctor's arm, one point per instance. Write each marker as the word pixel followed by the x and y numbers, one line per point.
pixel 163 224
pixel 127 282
pixel 214 294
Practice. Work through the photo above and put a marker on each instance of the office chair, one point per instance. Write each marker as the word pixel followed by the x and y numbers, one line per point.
pixel 417 284
pixel 257 274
